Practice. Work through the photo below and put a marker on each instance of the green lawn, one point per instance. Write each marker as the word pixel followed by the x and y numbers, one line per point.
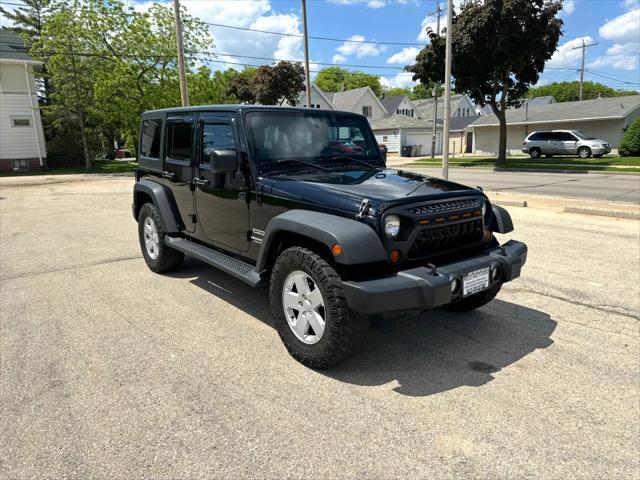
pixel 608 163
pixel 104 166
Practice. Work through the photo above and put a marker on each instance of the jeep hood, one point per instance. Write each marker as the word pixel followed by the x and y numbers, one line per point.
pixel 345 190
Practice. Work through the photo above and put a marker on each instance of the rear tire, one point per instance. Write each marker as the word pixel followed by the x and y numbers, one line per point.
pixel 584 152
pixel 339 329
pixel 475 301
pixel 159 257
pixel 535 152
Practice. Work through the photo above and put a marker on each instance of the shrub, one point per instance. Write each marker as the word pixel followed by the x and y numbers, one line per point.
pixel 630 146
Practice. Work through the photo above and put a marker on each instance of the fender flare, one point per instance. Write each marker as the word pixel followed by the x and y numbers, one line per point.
pixel 502 220
pixel 360 243
pixel 163 200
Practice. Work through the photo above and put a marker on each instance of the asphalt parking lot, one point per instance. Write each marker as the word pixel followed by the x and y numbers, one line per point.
pixel 111 371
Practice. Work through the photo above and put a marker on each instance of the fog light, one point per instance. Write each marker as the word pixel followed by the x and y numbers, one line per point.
pixel 495 274
pixel 455 286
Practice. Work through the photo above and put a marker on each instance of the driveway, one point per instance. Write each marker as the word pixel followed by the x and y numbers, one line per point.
pixel 111 371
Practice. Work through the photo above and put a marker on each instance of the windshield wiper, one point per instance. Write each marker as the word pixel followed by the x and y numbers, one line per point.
pixel 355 160
pixel 300 162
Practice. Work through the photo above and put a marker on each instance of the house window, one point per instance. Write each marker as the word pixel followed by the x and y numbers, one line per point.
pixel 385 139
pixel 366 111
pixel 20 164
pixel 20 122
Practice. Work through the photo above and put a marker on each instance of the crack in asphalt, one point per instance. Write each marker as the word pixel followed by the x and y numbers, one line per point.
pixel 603 307
pixel 74 267
pixel 625 193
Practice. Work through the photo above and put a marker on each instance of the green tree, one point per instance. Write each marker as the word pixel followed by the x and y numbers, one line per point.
pixel 210 88
pixel 395 91
pixel 499 50
pixel 338 79
pixel 630 145
pixel 570 91
pixel 269 84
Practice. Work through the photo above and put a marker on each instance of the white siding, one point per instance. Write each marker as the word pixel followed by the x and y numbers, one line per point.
pixel 316 100
pixel 464 108
pixel 487 137
pixel 390 138
pixel 406 105
pixel 18 142
pixel 423 138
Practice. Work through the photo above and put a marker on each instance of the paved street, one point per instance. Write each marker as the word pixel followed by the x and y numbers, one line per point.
pixel 111 371
pixel 603 186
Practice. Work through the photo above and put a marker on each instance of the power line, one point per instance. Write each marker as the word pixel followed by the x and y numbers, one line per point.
pixel 592 72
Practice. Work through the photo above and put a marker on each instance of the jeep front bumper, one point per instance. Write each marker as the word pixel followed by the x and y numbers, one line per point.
pixel 423 289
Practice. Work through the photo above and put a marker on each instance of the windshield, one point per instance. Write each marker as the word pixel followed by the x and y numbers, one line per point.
pixel 286 137
pixel 582 136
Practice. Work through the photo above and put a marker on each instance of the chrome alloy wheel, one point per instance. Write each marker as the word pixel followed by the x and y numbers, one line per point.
pixel 151 241
pixel 304 307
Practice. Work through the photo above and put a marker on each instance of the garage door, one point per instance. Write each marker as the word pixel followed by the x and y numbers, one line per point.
pixel 424 139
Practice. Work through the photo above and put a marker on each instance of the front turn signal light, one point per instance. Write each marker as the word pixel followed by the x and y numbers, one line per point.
pixel 336 249
pixel 395 256
pixel 488 235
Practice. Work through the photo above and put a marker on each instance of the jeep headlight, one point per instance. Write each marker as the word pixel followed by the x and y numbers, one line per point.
pixel 392 226
pixel 484 209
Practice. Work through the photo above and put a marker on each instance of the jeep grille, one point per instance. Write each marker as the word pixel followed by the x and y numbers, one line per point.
pixel 444 207
pixel 441 239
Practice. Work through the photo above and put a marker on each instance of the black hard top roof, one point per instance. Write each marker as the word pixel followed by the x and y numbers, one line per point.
pixel 244 108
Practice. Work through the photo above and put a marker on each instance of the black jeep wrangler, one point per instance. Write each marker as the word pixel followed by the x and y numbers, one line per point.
pixel 302 199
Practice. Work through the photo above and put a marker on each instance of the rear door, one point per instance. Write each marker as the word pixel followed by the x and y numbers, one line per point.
pixel 221 198
pixel 556 145
pixel 178 164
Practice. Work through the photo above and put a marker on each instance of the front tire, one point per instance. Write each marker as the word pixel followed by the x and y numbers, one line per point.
pixel 584 152
pixel 159 257
pixel 475 301
pixel 311 314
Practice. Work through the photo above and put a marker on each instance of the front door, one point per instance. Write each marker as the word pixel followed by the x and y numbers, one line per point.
pixel 569 143
pixel 221 198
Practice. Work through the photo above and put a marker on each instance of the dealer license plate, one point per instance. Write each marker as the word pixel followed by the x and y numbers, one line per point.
pixel 475 281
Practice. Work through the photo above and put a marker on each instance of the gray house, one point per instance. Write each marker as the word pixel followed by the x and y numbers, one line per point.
pixel 22 144
pixel 605 118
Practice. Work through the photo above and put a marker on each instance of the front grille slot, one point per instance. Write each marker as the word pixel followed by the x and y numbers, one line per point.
pixel 444 207
pixel 433 241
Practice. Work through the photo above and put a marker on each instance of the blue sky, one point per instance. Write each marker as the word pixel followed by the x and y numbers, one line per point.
pixel 613 24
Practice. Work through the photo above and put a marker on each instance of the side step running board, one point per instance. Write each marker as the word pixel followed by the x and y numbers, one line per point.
pixel 233 266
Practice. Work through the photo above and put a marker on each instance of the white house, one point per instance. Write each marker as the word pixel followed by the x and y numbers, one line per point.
pixel 319 99
pixel 399 105
pixel 605 118
pixel 22 144
pixel 359 100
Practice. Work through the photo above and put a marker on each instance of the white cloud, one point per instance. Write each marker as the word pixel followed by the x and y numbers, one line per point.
pixel 625 28
pixel 568 7
pixel 356 48
pixel 404 57
pixel 631 4
pixel 401 80
pixel 568 55
pixel 431 21
pixel 337 58
pixel 624 31
pixel 368 3
pixel 620 56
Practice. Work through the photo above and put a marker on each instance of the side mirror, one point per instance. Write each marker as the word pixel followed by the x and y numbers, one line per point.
pixel 223 161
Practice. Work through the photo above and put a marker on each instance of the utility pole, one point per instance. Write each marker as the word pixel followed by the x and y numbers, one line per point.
pixel 435 96
pixel 447 93
pixel 306 52
pixel 583 47
pixel 184 92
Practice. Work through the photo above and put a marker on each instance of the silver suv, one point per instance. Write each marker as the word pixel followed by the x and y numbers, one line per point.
pixel 564 142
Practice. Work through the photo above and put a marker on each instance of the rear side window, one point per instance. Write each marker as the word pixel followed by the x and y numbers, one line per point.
pixel 567 137
pixel 536 137
pixel 179 141
pixel 150 141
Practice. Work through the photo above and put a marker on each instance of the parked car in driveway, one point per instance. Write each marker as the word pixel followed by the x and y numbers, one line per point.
pixel 564 142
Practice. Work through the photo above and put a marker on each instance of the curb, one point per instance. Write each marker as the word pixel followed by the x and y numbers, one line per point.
pixel 511 203
pixel 603 213
pixel 521 170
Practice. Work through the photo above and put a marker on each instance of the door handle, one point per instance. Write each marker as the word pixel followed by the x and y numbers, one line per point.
pixel 200 181
pixel 170 175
